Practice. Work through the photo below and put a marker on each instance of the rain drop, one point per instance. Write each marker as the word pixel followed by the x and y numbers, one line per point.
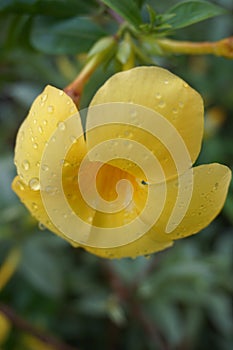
pixel 41 226
pixel 45 122
pixel 44 97
pixel 44 167
pixel 61 93
pixel 34 121
pixel 50 109
pixel 181 104
pixel 166 81
pixel 61 126
pixel 158 95
pixel 73 139
pixel 40 129
pixel 35 145
pixel 64 163
pixel 34 206
pixel 26 165
pixel 162 104
pixel 175 111
pixel 34 184
pixel 185 85
pixel 21 185
pixel 51 190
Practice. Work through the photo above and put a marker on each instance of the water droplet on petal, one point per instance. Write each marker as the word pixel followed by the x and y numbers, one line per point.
pixel 21 185
pixel 50 109
pixel 162 104
pixel 35 145
pixel 215 186
pixel 40 129
pixel 61 126
pixel 51 189
pixel 72 110
pixel 26 165
pixel 175 111
pixel 34 121
pixel 45 122
pixel 34 184
pixel 166 81
pixel 61 93
pixel 181 104
pixel 44 97
pixel 73 139
pixel 34 206
pixel 158 95
pixel 44 167
pixel 64 163
pixel 41 226
pixel 185 85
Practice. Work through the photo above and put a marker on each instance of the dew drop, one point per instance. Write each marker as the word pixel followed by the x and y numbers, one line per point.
pixel 41 226
pixel 175 111
pixel 73 139
pixel 34 184
pixel 44 98
pixel 44 167
pixel 50 109
pixel 61 126
pixel 158 95
pixel 40 129
pixel 61 93
pixel 166 81
pixel 181 104
pixel 72 110
pixel 45 122
pixel 34 121
pixel 35 145
pixel 34 206
pixel 26 165
pixel 21 185
pixel 162 104
pixel 51 189
pixel 185 85
pixel 64 163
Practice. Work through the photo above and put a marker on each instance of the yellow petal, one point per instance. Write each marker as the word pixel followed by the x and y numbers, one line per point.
pixel 47 114
pixel 173 112
pixel 210 186
pixel 33 201
pixel 143 246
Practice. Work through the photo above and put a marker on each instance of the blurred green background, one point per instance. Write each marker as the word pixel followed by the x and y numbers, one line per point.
pixel 178 299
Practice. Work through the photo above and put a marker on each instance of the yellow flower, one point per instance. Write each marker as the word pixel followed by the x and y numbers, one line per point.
pixel 126 188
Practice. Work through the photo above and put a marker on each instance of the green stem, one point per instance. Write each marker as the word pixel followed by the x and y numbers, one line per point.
pixel 222 47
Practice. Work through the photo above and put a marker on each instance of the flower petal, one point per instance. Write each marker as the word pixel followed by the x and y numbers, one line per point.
pixel 171 99
pixel 33 202
pixel 48 112
pixel 210 186
pixel 143 246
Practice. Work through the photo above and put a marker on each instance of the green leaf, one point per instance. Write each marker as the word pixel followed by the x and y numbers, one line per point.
pixel 127 9
pixel 190 12
pixel 69 36
pixel 42 266
pixel 55 8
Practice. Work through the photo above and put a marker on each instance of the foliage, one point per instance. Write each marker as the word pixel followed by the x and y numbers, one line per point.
pixel 179 299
